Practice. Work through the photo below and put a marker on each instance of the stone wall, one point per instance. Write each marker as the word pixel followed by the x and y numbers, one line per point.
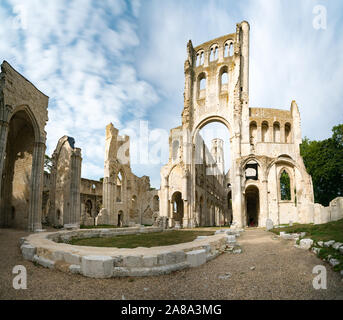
pixel 65 184
pixel 23 116
pixel 333 212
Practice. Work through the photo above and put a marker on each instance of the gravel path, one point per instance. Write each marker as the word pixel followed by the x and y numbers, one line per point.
pixel 281 272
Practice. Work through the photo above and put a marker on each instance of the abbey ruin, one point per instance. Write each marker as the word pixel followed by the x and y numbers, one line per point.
pixel 267 182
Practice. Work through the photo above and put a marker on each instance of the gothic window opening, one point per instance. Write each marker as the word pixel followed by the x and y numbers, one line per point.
pixel 285 186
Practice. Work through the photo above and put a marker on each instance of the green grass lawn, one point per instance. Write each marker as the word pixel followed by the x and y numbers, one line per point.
pixel 147 240
pixel 318 232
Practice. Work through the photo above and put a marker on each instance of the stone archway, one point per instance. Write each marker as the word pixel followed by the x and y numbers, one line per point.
pixel 178 208
pixel 23 116
pixel 252 206
pixel 17 173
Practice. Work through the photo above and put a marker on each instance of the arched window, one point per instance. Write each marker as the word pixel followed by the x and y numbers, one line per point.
pixel 253 132
pixel 225 78
pixel 226 50
pixel 265 131
pixel 212 55
pixel 285 186
pixel 288 133
pixel 202 58
pixel 119 186
pixel 276 130
pixel 231 50
pixel 203 84
pixel 215 53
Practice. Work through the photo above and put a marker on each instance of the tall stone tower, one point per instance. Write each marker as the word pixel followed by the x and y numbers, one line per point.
pixel 216 90
pixel 217 151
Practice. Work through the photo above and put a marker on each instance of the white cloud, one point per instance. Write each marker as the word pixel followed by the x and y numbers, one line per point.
pixel 100 64
pixel 79 53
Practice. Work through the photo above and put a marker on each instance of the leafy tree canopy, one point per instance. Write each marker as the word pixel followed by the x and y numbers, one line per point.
pixel 324 162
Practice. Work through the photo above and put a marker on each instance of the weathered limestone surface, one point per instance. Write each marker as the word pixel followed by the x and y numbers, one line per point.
pixel 65 182
pixel 46 249
pixel 23 116
pixel 126 197
pixel 264 145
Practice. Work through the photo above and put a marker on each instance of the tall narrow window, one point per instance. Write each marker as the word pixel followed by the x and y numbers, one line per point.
pixel 253 132
pixel 288 133
pixel 285 186
pixel 265 132
pixel 119 186
pixel 224 78
pixel 212 55
pixel 231 50
pixel 226 50
pixel 276 130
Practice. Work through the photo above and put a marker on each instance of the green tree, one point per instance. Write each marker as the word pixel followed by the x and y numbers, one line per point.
pixel 285 186
pixel 324 162
pixel 47 164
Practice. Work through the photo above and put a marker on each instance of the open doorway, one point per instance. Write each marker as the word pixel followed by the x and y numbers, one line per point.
pixel 252 202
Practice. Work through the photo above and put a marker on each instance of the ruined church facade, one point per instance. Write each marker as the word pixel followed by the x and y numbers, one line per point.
pixel 267 178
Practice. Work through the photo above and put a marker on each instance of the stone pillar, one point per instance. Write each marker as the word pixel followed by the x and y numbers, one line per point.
pixel 108 198
pixel 171 214
pixel 264 202
pixel 35 209
pixel 73 220
pixel 5 113
pixel 237 209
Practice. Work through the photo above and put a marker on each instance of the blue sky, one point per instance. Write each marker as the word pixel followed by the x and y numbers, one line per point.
pixel 122 62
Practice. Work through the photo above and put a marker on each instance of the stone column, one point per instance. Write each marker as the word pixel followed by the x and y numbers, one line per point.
pixel 75 184
pixel 264 201
pixel 5 113
pixel 35 209
pixel 237 209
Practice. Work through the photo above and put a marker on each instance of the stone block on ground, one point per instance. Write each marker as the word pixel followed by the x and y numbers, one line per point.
pixel 73 268
pixel 28 251
pixel 97 266
pixel 334 262
pixel 46 263
pixel 269 224
pixel 336 245
pixel 196 258
pixel 231 239
pixel 328 244
pixel 305 243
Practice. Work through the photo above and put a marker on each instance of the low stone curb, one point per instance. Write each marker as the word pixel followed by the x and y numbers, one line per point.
pixel 52 249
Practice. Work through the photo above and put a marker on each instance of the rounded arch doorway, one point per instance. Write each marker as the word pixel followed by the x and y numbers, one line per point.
pixel 252 206
pixel 177 208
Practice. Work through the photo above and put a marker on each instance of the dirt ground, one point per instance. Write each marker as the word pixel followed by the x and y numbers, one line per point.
pixel 266 269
